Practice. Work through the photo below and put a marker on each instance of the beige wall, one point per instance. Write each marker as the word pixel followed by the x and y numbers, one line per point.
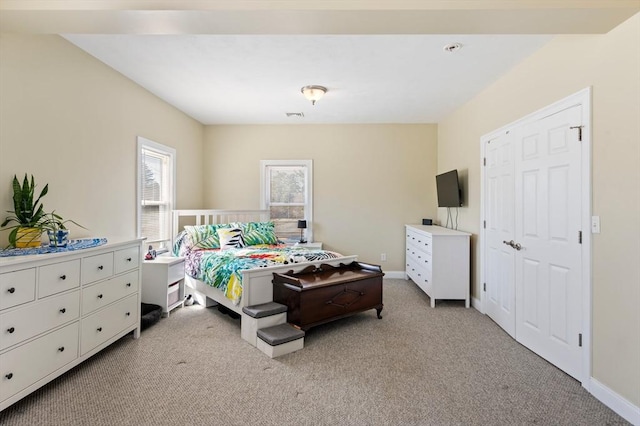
pixel 611 65
pixel 369 180
pixel 72 122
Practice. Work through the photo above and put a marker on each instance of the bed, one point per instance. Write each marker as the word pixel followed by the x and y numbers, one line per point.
pixel 262 260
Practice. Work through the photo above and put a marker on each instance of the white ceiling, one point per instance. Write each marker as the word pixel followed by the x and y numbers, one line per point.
pixel 244 61
pixel 227 79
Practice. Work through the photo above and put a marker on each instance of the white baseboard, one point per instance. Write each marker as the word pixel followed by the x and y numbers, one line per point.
pixel 475 303
pixel 617 403
pixel 400 275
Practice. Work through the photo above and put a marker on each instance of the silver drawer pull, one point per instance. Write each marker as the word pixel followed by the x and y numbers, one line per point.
pixel 12 290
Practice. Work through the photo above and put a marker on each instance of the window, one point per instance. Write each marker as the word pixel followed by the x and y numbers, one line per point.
pixel 286 191
pixel 156 192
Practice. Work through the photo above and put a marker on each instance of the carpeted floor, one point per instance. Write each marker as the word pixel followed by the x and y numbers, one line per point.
pixel 416 366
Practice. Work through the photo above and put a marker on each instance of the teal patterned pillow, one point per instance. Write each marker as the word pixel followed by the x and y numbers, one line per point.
pixel 204 236
pixel 255 233
pixel 180 244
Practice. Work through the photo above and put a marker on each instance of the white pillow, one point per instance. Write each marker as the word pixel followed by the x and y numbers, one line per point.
pixel 230 238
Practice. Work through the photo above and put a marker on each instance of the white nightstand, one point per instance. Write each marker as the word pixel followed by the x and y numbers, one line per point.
pixel 314 245
pixel 163 282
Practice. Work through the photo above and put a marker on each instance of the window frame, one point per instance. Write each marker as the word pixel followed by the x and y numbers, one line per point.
pixel 308 205
pixel 162 245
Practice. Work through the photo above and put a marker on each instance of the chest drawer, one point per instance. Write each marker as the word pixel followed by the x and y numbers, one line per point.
pixel 109 291
pixel 17 287
pixel 95 268
pixel 126 259
pixel 35 318
pixel 58 277
pixel 103 325
pixel 26 364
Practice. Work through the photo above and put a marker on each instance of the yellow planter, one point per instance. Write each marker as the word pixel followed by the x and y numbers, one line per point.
pixel 28 237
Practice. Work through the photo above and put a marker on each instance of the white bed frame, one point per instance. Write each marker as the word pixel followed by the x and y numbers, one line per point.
pixel 256 283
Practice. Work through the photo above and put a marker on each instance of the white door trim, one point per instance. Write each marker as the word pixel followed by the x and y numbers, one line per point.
pixel 583 97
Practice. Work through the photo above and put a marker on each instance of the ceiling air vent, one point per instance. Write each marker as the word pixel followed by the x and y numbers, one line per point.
pixel 295 114
pixel 452 47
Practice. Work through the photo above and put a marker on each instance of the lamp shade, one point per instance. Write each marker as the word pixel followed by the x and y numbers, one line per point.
pixel 313 93
pixel 302 224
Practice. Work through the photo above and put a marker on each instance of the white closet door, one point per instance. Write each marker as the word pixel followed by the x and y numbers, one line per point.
pixel 547 225
pixel 500 257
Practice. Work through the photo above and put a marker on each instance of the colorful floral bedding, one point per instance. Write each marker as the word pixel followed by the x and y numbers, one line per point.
pixel 223 268
pixel 216 254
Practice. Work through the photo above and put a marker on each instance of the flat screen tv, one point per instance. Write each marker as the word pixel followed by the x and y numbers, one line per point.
pixel 448 189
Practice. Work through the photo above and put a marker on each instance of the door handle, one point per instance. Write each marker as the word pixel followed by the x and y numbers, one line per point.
pixel 513 244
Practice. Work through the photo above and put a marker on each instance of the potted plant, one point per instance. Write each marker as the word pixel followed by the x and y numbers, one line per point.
pixel 57 232
pixel 27 214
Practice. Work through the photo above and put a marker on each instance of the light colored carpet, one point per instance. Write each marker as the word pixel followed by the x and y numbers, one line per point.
pixel 416 366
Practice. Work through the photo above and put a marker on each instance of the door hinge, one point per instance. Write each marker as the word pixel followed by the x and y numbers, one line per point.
pixel 579 237
pixel 580 340
pixel 484 161
pixel 484 287
pixel 484 224
pixel 579 132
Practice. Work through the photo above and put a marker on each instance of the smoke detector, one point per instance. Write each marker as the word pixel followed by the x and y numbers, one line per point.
pixel 452 47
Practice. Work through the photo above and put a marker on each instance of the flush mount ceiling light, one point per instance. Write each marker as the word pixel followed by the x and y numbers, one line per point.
pixel 313 93
pixel 452 47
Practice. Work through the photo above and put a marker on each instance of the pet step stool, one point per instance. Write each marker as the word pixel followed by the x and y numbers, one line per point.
pixel 280 340
pixel 261 316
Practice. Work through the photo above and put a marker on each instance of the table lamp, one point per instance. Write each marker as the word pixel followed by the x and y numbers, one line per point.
pixel 302 225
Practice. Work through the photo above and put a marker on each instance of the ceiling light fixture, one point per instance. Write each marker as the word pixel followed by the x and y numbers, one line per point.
pixel 313 93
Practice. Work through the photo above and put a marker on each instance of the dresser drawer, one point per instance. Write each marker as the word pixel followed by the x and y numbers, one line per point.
pixel 419 276
pixel 95 268
pixel 106 292
pixel 17 287
pixel 58 277
pixel 103 325
pixel 35 318
pixel 420 241
pixel 26 364
pixel 127 259
pixel 423 259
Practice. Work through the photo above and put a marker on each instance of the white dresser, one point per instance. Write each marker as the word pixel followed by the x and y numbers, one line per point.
pixel 58 309
pixel 437 260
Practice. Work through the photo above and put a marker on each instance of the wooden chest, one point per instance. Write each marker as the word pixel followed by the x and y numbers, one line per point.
pixel 316 296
